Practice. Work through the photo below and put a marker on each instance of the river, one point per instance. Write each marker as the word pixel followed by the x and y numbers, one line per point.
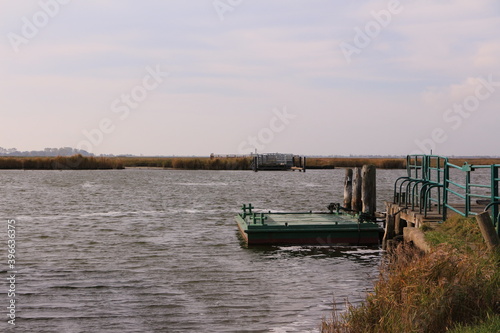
pixel 158 251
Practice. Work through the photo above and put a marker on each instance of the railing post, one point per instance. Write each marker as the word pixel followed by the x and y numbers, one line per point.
pixel 494 197
pixel 445 189
pixel 438 180
pixel 467 193
pixel 408 165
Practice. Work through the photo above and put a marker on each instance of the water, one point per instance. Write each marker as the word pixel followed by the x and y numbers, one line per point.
pixel 158 251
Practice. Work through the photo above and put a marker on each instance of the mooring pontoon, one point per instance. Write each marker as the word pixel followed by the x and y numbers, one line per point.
pixel 306 228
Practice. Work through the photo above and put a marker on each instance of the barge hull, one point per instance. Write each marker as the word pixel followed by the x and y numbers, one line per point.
pixel 301 231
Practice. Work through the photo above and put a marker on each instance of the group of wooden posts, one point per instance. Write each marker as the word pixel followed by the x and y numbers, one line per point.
pixel 360 190
pixel 360 194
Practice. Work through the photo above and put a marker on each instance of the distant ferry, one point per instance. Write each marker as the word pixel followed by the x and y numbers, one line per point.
pixel 278 162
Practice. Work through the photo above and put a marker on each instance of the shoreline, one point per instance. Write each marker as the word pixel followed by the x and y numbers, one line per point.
pixel 79 162
pixel 436 287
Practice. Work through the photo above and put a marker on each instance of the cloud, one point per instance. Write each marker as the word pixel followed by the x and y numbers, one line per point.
pixel 486 57
pixel 228 75
pixel 445 96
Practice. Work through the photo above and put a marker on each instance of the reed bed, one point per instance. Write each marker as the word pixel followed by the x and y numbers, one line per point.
pixel 146 162
pixel 347 162
pixel 229 163
pixel 199 163
pixel 455 287
pixel 76 162
pixel 244 163
pixel 189 163
pixel 461 161
pixel 475 161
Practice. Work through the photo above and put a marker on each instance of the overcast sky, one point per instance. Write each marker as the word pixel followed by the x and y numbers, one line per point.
pixel 231 76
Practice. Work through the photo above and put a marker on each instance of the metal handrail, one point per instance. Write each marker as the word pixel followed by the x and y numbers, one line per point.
pixel 395 197
pixel 427 198
pixel 491 204
pixel 428 172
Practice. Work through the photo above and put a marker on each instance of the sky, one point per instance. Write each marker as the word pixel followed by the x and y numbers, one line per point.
pixel 312 77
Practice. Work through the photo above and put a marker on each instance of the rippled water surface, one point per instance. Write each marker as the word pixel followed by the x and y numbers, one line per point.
pixel 158 251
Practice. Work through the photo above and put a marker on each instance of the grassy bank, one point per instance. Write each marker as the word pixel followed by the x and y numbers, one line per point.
pixel 76 162
pixel 455 288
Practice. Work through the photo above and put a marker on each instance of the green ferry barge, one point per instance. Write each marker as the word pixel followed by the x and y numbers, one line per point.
pixel 306 228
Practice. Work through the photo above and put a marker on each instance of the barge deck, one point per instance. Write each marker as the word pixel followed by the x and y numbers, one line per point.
pixel 306 228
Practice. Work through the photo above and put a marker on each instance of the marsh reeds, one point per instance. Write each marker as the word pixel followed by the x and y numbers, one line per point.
pixel 230 163
pixel 76 162
pixel 198 163
pixel 244 163
pixel 188 163
pixel 79 162
pixel 456 285
pixel 348 162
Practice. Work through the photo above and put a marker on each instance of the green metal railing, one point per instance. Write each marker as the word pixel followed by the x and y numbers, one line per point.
pixel 432 182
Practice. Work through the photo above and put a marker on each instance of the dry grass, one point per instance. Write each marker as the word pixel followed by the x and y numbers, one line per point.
pixel 200 163
pixel 449 287
pixel 146 162
pixel 189 163
pixel 80 162
pixel 76 162
pixel 229 163
pixel 347 162
pixel 475 161
pixel 461 161
pixel 244 163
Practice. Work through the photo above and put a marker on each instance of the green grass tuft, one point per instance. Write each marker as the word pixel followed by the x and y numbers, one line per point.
pixel 460 232
pixel 490 325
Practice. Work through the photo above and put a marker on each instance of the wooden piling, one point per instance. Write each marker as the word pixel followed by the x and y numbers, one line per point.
pixel 348 189
pixel 399 224
pixel 356 203
pixel 488 231
pixel 368 189
pixel 389 225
